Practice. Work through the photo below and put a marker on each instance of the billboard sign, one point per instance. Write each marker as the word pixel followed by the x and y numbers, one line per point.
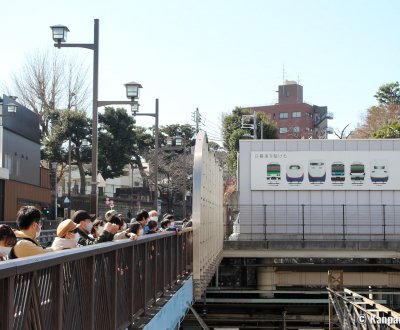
pixel 325 170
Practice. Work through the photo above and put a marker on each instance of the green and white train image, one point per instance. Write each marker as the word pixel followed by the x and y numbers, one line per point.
pixel 273 172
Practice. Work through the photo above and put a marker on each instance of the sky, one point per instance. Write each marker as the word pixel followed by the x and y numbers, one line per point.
pixel 215 55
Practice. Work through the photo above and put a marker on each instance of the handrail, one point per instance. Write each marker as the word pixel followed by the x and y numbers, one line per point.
pixel 355 310
pixel 312 222
pixel 103 286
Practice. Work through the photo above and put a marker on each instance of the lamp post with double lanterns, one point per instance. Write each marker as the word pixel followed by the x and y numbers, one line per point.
pixel 132 90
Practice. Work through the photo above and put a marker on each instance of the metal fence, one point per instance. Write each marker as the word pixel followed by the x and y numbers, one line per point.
pixel 104 286
pixel 313 222
pixel 208 193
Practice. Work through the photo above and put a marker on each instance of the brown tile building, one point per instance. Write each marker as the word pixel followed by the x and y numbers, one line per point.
pixel 23 181
pixel 294 118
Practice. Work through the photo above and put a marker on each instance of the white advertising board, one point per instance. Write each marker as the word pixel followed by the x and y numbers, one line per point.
pixel 325 170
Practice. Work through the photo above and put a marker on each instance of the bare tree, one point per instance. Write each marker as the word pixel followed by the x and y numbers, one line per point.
pixel 375 118
pixel 174 169
pixel 47 82
pixel 343 134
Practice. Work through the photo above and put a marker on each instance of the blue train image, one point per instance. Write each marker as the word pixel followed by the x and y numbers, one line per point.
pixel 338 172
pixel 294 173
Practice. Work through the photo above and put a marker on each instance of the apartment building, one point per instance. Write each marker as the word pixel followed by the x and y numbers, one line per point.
pixel 294 118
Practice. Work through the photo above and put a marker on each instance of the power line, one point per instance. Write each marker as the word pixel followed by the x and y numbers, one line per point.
pixel 208 122
pixel 213 131
pixel 211 128
pixel 214 136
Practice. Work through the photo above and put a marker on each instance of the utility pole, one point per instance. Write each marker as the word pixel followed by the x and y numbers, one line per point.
pixel 262 130
pixel 255 126
pixel 196 117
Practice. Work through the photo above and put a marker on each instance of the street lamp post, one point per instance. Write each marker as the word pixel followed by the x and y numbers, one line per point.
pixel 69 172
pixel 135 110
pixel 54 169
pixel 60 37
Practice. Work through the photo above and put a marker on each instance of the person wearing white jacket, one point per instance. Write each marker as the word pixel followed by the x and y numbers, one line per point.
pixel 65 236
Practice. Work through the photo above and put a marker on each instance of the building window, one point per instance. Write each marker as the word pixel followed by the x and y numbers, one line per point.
pixel 296 129
pixel 283 115
pixel 287 94
pixel 17 169
pixel 283 130
pixel 8 163
pixel 296 114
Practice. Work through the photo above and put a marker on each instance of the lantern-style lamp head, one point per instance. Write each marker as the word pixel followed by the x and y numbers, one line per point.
pixel 135 108
pixel 132 90
pixel 178 141
pixel 59 33
pixel 169 141
pixel 11 108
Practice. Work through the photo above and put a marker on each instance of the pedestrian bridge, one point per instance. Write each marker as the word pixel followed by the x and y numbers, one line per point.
pixel 122 284
pixel 155 280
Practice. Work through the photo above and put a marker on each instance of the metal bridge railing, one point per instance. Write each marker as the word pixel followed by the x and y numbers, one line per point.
pixel 313 222
pixel 355 311
pixel 103 286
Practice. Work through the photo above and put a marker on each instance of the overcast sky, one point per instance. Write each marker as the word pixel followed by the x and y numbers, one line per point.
pixel 215 54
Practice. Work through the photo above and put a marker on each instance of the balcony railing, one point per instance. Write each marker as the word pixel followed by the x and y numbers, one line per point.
pixel 321 118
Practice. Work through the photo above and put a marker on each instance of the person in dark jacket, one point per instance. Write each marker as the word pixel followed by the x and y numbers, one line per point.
pixel 85 222
pixel 152 227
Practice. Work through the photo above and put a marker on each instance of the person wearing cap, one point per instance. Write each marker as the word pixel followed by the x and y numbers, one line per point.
pixel 65 236
pixel 171 218
pixel 85 222
pixel 30 225
pixel 98 227
pixel 109 214
pixel 122 232
pixel 165 224
pixel 169 225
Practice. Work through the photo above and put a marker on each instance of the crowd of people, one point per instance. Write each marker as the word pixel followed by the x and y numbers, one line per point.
pixel 81 230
